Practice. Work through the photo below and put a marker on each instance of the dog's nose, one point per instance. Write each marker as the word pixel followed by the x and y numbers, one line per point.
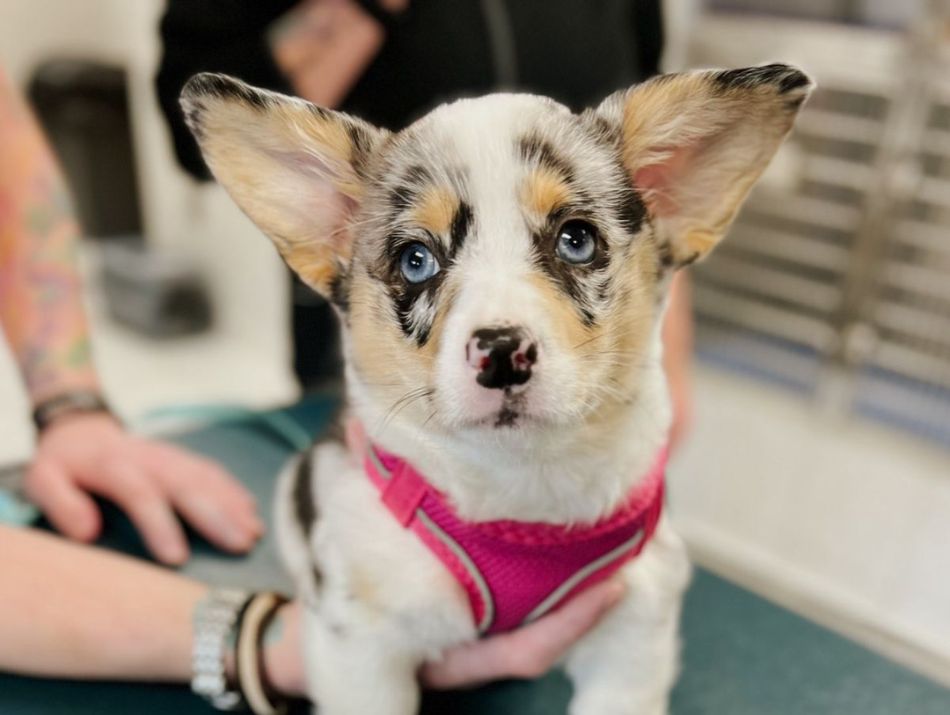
pixel 503 356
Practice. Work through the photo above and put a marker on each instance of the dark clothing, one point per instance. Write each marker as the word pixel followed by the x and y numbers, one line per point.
pixel 576 51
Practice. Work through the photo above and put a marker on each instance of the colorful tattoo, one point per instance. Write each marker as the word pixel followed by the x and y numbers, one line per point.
pixel 41 306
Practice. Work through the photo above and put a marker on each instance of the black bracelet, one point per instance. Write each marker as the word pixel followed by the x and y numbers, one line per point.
pixel 68 403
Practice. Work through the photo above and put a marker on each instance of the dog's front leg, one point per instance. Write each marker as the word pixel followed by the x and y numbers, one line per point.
pixel 627 665
pixel 358 673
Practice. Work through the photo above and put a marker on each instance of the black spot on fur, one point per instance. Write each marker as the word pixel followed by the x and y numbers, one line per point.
pixel 402 293
pixel 417 175
pixel 305 506
pixel 602 128
pixel 210 84
pixel 533 148
pixel 631 211
pixel 571 279
pixel 511 409
pixel 690 259
pixel 404 296
pixel 402 196
pixel 785 77
pixel 303 499
pixel 319 112
pixel 666 254
pixel 461 224
pixel 340 290
pixel 362 147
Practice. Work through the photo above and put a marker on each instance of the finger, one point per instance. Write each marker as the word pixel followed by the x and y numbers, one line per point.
pixel 527 652
pixel 212 501
pixel 69 509
pixel 130 487
pixel 172 464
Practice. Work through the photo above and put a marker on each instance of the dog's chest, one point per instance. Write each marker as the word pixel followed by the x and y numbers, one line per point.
pixel 372 568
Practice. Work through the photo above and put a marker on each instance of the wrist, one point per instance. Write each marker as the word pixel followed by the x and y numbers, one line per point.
pixel 244 652
pixel 63 406
pixel 281 669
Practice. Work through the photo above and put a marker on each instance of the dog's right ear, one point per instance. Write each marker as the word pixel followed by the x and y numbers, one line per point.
pixel 297 170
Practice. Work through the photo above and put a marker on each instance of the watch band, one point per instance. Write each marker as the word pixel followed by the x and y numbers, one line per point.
pixel 215 619
pixel 68 403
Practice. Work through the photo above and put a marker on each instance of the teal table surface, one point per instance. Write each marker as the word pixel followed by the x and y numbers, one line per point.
pixel 742 655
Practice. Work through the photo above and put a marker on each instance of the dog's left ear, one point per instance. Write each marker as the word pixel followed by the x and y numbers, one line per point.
pixel 694 144
pixel 297 170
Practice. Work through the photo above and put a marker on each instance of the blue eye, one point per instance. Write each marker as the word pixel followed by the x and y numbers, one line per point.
pixel 577 242
pixel 417 263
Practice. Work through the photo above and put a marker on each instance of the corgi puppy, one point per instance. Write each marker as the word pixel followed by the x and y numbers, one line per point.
pixel 500 268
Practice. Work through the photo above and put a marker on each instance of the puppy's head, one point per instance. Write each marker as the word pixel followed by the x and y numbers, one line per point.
pixel 502 262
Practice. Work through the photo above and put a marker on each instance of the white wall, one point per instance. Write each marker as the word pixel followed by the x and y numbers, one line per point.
pixel 843 520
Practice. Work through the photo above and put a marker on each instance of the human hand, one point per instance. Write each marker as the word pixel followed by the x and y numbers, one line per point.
pixel 528 652
pixel 324 46
pixel 88 454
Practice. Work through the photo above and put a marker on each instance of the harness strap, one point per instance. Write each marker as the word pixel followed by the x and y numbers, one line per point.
pixel 403 492
pixel 417 506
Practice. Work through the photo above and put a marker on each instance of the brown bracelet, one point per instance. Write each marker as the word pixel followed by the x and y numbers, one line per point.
pixel 68 403
pixel 260 610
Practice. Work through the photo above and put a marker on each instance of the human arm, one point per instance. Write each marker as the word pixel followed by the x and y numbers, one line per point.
pixel 41 311
pixel 74 611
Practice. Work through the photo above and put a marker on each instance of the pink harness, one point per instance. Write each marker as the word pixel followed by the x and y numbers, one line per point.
pixel 515 572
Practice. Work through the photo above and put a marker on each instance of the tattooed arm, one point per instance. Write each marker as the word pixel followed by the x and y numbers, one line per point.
pixel 40 294
pixel 106 616
pixel 42 314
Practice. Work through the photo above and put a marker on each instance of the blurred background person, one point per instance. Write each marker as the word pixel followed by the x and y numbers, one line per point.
pixel 83 451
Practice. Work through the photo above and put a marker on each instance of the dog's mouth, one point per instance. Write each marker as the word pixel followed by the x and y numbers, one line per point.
pixel 512 413
pixel 512 409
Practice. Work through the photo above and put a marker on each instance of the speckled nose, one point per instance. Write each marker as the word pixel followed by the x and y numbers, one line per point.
pixel 503 356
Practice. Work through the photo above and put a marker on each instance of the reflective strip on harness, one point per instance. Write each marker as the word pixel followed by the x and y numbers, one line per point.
pixel 436 532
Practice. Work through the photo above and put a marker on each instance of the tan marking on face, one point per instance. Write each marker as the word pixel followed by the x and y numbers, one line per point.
pixel 389 364
pixel 435 209
pixel 631 320
pixel 609 349
pixel 543 191
pixel 564 317
pixel 447 294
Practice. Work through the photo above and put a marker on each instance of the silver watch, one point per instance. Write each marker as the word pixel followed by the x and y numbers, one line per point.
pixel 214 621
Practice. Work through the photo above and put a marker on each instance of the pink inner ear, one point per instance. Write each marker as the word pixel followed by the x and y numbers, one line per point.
pixel 661 182
pixel 652 181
